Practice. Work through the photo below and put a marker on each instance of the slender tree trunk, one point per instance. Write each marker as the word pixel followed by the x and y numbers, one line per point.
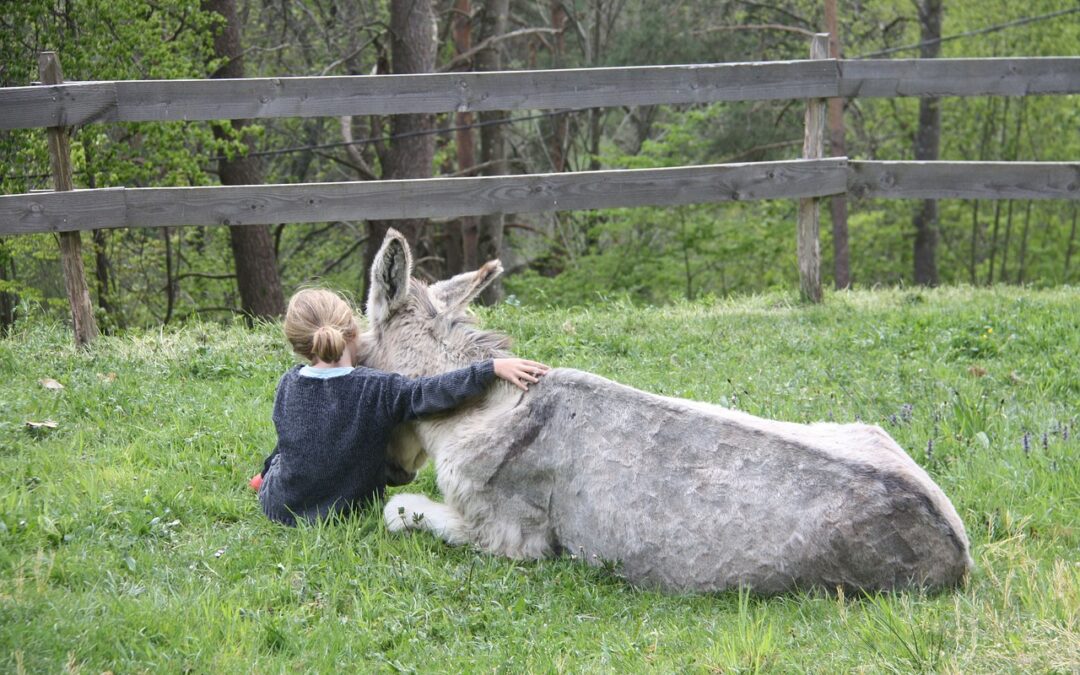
pixel 100 243
pixel 1069 245
pixel 974 238
pixel 257 276
pixel 993 243
pixel 9 301
pixel 560 123
pixel 412 50
pixel 462 252
pixel 1002 137
pixel 1005 244
pixel 492 142
pixel 595 114
pixel 170 277
pixel 100 239
pixel 837 148
pixel 1023 245
pixel 976 228
pixel 927 147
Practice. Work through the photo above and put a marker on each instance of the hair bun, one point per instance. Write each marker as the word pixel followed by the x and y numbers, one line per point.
pixel 328 344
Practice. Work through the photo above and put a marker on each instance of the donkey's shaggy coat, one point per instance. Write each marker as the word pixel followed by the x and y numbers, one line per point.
pixel 679 495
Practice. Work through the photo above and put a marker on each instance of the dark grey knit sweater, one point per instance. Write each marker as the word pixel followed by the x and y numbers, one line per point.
pixel 333 432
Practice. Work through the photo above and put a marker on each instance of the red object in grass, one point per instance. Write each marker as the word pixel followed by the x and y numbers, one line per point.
pixel 256 482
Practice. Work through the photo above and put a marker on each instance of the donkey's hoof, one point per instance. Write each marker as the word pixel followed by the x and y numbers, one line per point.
pixel 404 512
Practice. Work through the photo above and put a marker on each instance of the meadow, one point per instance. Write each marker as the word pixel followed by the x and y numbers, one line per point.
pixel 130 541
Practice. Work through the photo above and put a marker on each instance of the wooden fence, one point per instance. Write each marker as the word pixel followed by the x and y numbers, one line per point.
pixel 56 105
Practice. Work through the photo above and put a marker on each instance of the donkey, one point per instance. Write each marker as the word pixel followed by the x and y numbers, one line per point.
pixel 674 494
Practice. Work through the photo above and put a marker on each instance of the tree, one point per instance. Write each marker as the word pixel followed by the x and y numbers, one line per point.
pixel 492 141
pixel 927 147
pixel 411 153
pixel 252 246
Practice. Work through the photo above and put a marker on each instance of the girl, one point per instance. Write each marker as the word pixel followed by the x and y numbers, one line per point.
pixel 333 421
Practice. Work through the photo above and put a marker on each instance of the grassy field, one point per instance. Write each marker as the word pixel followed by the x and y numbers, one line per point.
pixel 130 542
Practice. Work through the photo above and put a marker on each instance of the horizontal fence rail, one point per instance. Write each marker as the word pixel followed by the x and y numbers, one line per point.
pixel 454 197
pixel 80 103
pixel 965 180
pixel 417 198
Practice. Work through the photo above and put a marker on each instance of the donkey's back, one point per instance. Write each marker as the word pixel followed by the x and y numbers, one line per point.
pixel 688 496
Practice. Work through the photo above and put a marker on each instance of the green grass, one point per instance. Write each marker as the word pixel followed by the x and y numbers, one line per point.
pixel 130 542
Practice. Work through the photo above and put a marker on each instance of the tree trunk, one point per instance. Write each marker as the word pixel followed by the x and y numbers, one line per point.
pixel 257 276
pixel 1005 244
pixel 837 203
pixel 974 239
pixel 461 249
pixel 492 142
pixel 413 48
pixel 101 277
pixel 100 241
pixel 1023 246
pixel 927 147
pixel 560 124
pixel 993 242
pixel 1069 246
pixel 9 301
pixel 594 62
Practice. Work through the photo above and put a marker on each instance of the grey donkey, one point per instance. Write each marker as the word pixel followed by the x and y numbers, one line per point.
pixel 674 494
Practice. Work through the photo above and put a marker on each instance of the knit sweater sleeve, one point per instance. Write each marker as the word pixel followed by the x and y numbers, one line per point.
pixel 276 416
pixel 408 399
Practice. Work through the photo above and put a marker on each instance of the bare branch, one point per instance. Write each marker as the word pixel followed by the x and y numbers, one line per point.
pixel 357 157
pixel 755 26
pixel 343 59
pixel 464 57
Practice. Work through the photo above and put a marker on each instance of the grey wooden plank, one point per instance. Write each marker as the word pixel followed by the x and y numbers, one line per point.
pixel 250 98
pixel 446 92
pixel 965 180
pixel 146 100
pixel 427 198
pixel 62 211
pixel 60 105
pixel 960 77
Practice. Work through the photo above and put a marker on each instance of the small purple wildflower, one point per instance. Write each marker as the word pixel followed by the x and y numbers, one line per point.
pixel 1045 441
pixel 1065 433
pixel 1026 442
pixel 893 420
pixel 907 411
pixel 929 449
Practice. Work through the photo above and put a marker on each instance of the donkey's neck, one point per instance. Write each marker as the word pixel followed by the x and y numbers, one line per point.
pixel 476 417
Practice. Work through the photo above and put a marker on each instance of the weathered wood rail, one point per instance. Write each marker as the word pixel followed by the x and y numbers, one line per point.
pixel 58 106
pixel 80 103
pixel 533 193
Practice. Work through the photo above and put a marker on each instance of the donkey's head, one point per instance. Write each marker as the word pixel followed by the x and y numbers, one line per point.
pixel 416 329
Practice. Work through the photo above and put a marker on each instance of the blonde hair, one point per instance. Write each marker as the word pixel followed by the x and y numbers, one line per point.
pixel 319 324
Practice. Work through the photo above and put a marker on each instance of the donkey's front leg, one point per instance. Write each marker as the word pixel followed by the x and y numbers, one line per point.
pixel 417 512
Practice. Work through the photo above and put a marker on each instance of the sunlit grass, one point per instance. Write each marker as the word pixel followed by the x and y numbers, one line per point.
pixel 130 542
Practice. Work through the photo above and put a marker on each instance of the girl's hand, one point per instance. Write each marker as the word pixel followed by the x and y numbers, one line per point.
pixel 520 372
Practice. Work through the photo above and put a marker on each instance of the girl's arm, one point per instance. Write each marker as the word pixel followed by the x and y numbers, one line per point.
pixel 409 399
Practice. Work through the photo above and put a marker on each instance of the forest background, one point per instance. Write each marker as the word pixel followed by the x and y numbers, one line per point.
pixel 146 277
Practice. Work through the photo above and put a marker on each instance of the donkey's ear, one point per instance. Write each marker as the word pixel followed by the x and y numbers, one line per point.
pixel 459 291
pixel 390 271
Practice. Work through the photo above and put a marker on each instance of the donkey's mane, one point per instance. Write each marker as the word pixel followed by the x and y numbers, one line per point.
pixel 461 326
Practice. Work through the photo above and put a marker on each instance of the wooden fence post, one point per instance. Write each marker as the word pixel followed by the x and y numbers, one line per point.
pixel 809 248
pixel 82 312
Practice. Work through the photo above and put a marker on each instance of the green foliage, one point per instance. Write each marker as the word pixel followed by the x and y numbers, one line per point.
pixel 130 542
pixel 649 255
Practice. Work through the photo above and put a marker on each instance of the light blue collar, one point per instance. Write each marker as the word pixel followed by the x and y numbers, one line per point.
pixel 324 373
